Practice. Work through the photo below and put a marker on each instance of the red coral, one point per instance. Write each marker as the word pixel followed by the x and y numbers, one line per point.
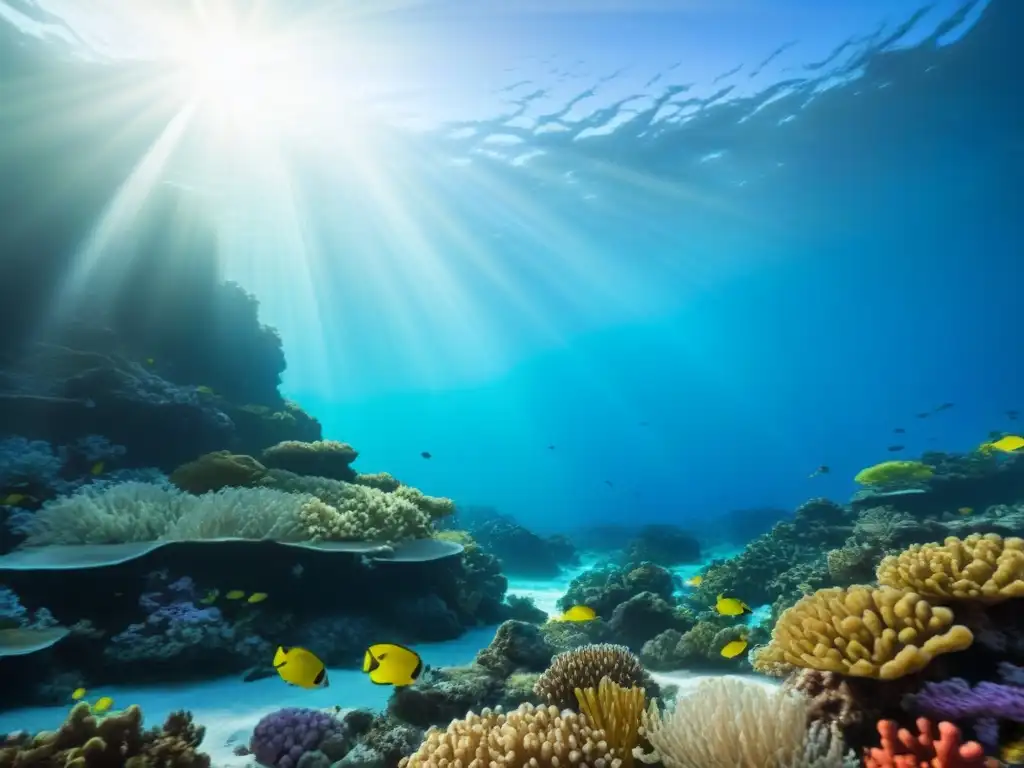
pixel 903 749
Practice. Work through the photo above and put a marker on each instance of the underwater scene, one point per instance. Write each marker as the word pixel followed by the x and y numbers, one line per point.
pixel 534 384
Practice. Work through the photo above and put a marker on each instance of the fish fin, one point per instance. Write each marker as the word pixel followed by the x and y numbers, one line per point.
pixel 417 671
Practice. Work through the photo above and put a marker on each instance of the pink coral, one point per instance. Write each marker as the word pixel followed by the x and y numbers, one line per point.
pixel 902 749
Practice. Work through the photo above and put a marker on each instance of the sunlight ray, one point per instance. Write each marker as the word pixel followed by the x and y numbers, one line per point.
pixel 122 209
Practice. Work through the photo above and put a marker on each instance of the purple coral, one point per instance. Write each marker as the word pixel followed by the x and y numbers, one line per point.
pixel 283 737
pixel 983 705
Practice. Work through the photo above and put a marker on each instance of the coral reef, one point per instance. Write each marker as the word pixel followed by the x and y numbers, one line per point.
pixel 902 749
pixel 664 545
pixel 520 551
pixel 115 739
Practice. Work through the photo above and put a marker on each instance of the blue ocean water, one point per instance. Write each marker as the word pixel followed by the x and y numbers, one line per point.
pixel 700 248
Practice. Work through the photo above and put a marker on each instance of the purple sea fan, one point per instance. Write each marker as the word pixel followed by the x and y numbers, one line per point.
pixel 284 736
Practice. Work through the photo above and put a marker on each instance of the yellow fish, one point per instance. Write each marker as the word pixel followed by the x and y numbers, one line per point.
pixel 300 667
pixel 210 597
pixel 204 390
pixel 735 648
pixel 235 594
pixel 694 581
pixel 965 510
pixel 578 613
pixel 1008 444
pixel 390 664
pixel 102 705
pixel 14 499
pixel 257 597
pixel 78 694
pixel 731 606
pixel 150 361
pixel 97 468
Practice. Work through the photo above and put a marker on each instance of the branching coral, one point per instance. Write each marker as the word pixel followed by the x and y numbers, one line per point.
pixel 727 722
pixel 529 737
pixel 864 632
pixel 987 569
pixel 585 668
pixel 616 711
pixel 902 749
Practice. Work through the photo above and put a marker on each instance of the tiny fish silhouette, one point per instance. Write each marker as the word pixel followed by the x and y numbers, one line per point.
pixel 894 448
pixel 1012 415
pixel 924 415
pixel 899 430
pixel 609 483
pixel 944 407
pixel 551 447
pixel 425 454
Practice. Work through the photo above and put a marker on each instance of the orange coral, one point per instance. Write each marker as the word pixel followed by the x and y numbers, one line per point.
pixel 902 749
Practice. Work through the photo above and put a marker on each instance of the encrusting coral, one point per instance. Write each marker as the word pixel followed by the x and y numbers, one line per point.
pixel 982 568
pixel 727 722
pixel 528 737
pixel 863 632
pixel 322 458
pixel 585 668
pixel 111 741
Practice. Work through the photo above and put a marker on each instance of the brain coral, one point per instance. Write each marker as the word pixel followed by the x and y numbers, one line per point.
pixel 988 569
pixel 863 632
pixel 529 737
pixel 585 668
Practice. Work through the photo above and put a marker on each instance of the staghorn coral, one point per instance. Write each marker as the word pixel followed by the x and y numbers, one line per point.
pixel 863 632
pixel 529 737
pixel 890 474
pixel 585 668
pixel 902 749
pixel 727 722
pixel 616 711
pixel 981 568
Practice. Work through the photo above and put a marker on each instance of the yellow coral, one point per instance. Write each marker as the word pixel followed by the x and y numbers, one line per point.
pixel 863 632
pixel 987 569
pixel 529 737
pixel 617 712
pixel 893 473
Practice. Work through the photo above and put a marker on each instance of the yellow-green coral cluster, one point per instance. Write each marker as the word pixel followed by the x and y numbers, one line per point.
pixel 983 568
pixel 894 473
pixel 863 632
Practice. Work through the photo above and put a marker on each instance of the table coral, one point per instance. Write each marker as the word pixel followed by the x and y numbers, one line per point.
pixel 864 632
pixel 902 749
pixel 984 568
pixel 322 458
